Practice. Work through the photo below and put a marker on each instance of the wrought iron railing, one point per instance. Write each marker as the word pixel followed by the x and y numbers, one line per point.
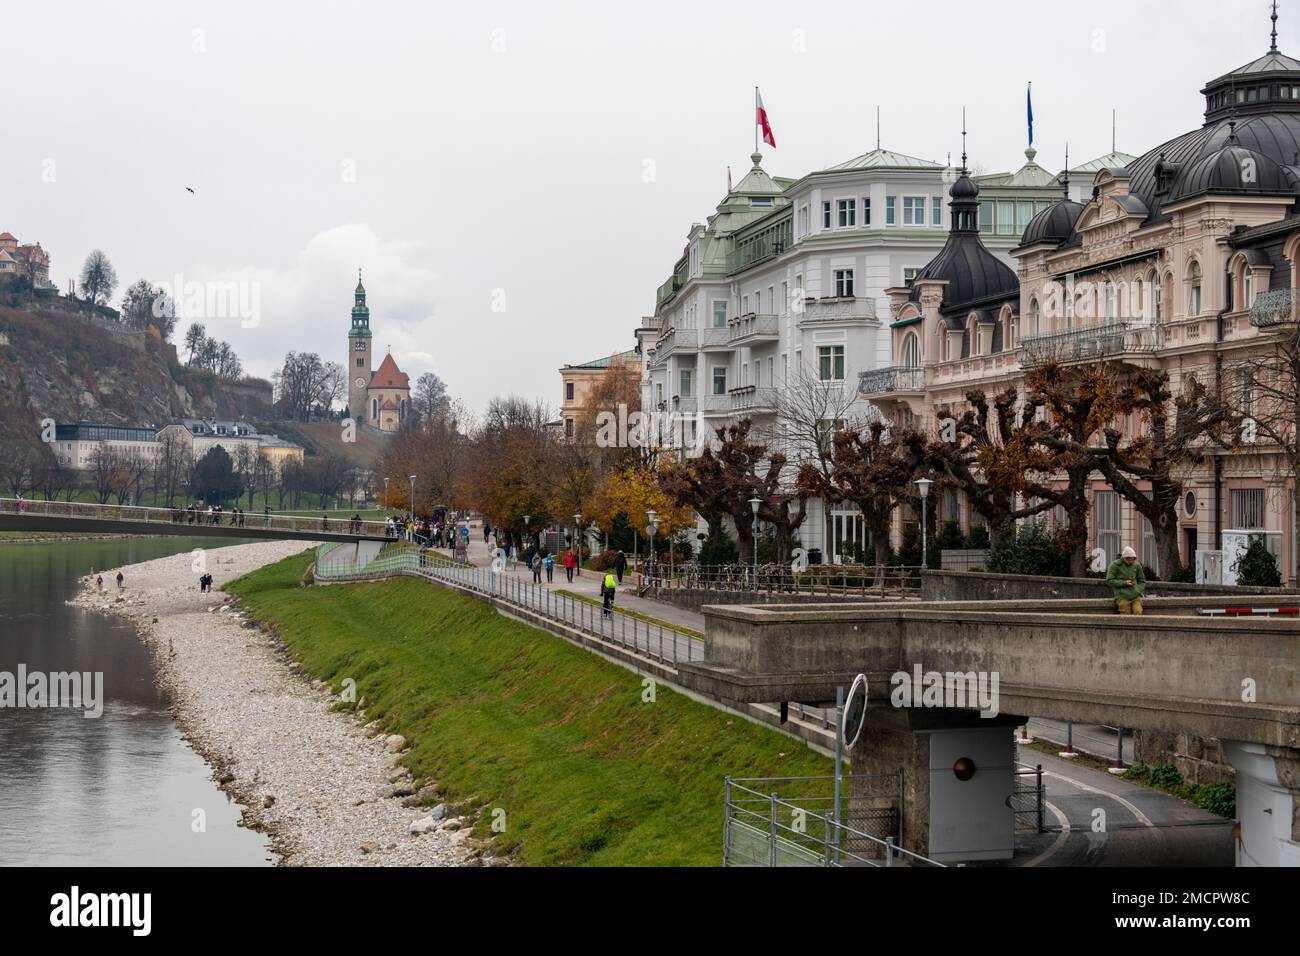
pixel 1091 343
pixel 842 579
pixel 1274 307
pixel 880 381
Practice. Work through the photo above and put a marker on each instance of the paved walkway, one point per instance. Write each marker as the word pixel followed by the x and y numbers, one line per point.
pixel 587 584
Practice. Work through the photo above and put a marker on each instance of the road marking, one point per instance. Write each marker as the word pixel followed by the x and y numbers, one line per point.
pixel 1061 837
pixel 1142 817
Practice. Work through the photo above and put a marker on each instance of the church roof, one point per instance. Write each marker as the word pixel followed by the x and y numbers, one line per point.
pixel 4 236
pixel 388 375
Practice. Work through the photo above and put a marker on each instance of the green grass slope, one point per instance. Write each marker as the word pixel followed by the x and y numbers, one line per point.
pixel 519 720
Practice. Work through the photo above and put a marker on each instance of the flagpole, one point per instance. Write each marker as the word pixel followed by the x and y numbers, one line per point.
pixel 756 119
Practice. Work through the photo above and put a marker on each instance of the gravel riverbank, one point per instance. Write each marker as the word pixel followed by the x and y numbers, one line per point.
pixel 326 790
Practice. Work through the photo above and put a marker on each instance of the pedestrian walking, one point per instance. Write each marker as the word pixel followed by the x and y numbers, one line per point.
pixel 1128 582
pixel 119 580
pixel 550 567
pixel 536 565
pixel 99 583
pixel 620 565
pixel 608 588
pixel 569 564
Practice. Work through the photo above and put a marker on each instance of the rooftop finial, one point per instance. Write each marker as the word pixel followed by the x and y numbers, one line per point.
pixel 1065 173
pixel 1273 47
pixel 963 139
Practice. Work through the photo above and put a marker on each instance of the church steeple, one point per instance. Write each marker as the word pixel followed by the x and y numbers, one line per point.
pixel 360 311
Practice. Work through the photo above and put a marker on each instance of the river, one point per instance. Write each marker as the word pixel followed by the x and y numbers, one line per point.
pixel 121 789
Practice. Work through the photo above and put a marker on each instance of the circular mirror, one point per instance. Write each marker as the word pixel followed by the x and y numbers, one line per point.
pixel 855 711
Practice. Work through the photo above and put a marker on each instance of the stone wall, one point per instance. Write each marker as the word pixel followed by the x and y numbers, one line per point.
pixel 982 586
pixel 1198 759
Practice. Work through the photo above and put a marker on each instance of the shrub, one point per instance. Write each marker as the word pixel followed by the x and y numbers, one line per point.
pixel 1184 574
pixel 603 561
pixel 1165 775
pixel 1032 549
pixel 949 537
pixel 1218 798
pixel 978 539
pixel 718 548
pixel 1257 567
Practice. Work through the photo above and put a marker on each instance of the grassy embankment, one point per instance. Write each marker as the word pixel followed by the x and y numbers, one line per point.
pixel 518 719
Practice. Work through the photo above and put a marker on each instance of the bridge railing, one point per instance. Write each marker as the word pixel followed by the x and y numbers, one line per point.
pixel 337 525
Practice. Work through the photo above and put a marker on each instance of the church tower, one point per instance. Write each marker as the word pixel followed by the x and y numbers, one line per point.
pixel 358 364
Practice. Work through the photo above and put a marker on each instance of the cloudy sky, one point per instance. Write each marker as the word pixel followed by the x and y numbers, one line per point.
pixel 516 179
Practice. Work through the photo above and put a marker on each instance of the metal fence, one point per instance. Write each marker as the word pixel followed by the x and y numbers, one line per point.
pixel 845 579
pixel 654 640
pixel 763 828
pixel 182 516
pixel 1028 798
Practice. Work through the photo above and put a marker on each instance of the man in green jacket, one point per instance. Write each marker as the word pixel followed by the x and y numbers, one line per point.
pixel 1128 581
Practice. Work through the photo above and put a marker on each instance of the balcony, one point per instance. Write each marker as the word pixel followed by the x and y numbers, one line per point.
pixel 884 381
pixel 832 311
pixel 753 329
pixel 674 340
pixel 1092 344
pixel 715 337
pixel 752 400
pixel 1273 308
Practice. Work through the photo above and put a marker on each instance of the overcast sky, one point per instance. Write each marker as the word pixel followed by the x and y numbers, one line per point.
pixel 516 179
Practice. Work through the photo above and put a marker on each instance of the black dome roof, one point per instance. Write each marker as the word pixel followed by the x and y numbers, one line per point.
pixel 1053 224
pixel 972 272
pixel 1231 169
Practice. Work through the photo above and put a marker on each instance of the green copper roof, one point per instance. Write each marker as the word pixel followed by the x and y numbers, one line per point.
pixel 604 362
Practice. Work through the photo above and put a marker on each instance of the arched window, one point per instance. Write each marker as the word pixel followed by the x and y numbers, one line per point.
pixel 911 351
pixel 1194 289
pixel 1110 301
pixel 1034 317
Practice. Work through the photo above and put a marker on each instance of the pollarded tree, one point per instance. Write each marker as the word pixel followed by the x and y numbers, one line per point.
pixel 1162 449
pixel 873 469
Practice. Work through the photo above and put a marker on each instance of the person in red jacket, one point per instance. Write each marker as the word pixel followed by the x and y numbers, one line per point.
pixel 570 562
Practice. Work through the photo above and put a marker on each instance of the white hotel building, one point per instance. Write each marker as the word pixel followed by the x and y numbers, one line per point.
pixel 787 279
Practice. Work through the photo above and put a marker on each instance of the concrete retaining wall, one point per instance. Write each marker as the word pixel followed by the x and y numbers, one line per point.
pixel 696 598
pixel 981 586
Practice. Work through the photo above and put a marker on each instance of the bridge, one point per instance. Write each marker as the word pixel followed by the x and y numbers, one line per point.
pixel 82 518
pixel 1175 669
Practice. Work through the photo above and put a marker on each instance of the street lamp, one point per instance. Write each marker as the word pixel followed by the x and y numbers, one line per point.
pixel 526 517
pixel 385 494
pixel 923 486
pixel 413 498
pixel 651 529
pixel 754 504
pixel 577 540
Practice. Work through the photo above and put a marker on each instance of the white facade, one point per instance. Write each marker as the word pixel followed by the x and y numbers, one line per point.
pixel 786 286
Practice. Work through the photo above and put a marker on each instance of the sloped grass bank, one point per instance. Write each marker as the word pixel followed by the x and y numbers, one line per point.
pixel 523 722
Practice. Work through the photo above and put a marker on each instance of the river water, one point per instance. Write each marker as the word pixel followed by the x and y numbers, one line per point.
pixel 120 789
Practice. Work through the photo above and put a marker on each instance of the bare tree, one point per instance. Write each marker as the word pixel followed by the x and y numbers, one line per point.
pixel 98 278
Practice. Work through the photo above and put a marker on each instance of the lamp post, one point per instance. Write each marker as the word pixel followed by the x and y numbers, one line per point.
pixel 412 498
pixel 526 517
pixel 577 541
pixel 385 494
pixel 923 486
pixel 651 529
pixel 754 504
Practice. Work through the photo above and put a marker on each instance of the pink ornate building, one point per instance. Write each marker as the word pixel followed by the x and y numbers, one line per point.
pixel 1184 260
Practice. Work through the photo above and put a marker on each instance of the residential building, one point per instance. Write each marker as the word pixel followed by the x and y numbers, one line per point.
pixel 578 381
pixel 75 445
pixel 1182 260
pixel 199 436
pixel 783 292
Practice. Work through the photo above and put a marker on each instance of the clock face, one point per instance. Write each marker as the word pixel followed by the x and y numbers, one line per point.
pixel 360 345
pixel 360 383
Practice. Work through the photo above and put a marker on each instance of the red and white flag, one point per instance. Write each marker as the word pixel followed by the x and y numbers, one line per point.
pixel 761 120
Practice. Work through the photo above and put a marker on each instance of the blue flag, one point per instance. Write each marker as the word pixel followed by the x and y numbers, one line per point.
pixel 1029 108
